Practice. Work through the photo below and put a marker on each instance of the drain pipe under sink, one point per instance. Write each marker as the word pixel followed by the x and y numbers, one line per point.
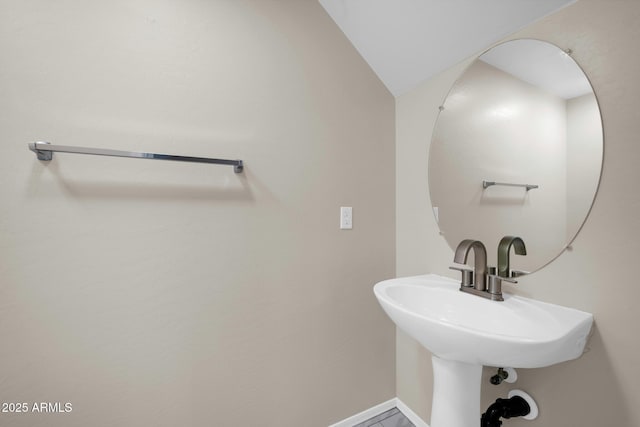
pixel 519 404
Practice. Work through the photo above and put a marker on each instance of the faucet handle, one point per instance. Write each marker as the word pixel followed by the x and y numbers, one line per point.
pixel 493 273
pixel 494 284
pixel 503 279
pixel 518 273
pixel 467 276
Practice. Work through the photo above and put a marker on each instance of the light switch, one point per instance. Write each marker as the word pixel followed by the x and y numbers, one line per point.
pixel 346 218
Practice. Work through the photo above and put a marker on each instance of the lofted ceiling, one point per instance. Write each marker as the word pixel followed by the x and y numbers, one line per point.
pixel 408 41
pixel 542 65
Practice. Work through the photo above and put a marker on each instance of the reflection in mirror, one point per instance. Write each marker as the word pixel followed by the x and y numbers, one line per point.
pixel 523 113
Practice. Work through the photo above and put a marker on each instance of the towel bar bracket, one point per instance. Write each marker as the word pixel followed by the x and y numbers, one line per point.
pixel 41 154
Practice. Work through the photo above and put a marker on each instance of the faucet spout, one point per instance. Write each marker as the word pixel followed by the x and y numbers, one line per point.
pixel 504 247
pixel 480 260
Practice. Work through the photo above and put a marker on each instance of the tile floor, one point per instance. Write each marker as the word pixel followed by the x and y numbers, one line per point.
pixel 391 418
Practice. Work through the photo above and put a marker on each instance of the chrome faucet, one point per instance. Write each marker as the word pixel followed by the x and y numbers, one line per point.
pixel 504 247
pixel 479 279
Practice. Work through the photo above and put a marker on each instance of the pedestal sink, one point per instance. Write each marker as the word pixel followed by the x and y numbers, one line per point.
pixel 464 332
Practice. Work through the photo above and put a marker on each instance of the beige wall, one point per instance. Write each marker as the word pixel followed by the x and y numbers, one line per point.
pixel 168 294
pixel 603 386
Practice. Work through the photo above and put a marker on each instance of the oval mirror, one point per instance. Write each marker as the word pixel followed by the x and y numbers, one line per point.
pixel 517 151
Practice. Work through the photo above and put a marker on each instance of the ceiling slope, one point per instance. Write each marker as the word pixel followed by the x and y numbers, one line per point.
pixel 408 41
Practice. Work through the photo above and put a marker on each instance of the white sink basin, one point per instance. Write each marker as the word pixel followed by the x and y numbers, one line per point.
pixel 464 332
pixel 517 332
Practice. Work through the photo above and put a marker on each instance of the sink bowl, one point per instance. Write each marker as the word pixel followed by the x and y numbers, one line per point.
pixel 517 332
pixel 464 332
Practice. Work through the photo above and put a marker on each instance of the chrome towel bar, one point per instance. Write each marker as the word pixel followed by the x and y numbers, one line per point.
pixel 486 184
pixel 45 150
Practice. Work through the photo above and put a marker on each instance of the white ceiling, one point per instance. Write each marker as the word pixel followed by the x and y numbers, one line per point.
pixel 542 65
pixel 408 41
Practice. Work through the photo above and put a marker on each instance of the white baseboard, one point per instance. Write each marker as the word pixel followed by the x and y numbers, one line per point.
pixel 366 414
pixel 377 410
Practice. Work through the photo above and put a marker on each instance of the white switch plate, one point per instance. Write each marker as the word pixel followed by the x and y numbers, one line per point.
pixel 346 218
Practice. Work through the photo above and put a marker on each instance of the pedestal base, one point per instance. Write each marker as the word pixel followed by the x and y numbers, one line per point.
pixel 456 393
